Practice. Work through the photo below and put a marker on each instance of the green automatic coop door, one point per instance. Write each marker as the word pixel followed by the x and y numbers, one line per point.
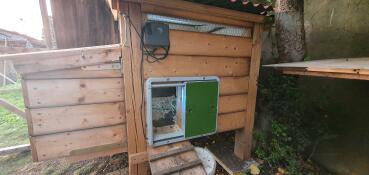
pixel 180 108
pixel 201 108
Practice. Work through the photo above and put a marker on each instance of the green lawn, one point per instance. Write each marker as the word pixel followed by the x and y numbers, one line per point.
pixel 13 129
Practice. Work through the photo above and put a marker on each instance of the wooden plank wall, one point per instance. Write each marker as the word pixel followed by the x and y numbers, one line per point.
pixel 73 109
pixel 203 54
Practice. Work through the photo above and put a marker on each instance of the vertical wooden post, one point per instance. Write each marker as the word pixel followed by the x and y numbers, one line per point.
pixel 243 138
pixel 130 30
pixel 46 24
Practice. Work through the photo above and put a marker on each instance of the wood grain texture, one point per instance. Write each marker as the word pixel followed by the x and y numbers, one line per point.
pixel 71 118
pixel 132 67
pixel 170 162
pixel 328 74
pixel 232 103
pixel 233 85
pixel 341 63
pixel 63 144
pixel 204 44
pixel 63 59
pixel 76 73
pixel 243 138
pixel 63 92
pixel 231 121
pixel 175 65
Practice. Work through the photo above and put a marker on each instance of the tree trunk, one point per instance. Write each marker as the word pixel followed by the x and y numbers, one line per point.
pixel 290 33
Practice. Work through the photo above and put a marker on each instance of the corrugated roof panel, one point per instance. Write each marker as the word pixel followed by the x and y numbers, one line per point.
pixel 239 5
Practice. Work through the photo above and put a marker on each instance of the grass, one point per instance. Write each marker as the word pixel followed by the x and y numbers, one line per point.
pixel 13 129
pixel 10 163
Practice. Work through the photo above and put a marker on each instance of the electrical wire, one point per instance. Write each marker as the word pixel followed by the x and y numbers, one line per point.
pixel 145 50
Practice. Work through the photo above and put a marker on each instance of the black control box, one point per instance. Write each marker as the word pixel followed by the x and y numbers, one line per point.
pixel 156 35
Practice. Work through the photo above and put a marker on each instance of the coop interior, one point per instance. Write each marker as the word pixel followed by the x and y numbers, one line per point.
pixel 167 112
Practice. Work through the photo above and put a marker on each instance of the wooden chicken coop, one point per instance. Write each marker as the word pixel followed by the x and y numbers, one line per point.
pixel 201 62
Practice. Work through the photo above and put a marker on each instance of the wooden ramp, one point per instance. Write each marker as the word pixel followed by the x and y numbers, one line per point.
pixel 177 158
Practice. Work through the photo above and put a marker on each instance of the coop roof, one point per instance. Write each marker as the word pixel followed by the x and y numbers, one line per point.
pixel 239 5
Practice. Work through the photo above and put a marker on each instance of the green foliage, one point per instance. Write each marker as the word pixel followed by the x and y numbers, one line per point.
pixel 293 126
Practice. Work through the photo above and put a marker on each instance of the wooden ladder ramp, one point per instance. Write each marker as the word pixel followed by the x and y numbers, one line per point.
pixel 177 158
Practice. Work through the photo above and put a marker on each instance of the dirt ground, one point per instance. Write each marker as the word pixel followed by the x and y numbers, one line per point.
pixel 21 164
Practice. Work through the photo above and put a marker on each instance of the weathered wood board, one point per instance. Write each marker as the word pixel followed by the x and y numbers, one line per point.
pixel 231 121
pixel 204 44
pixel 63 59
pixel 70 118
pixel 76 73
pixel 78 143
pixel 175 162
pixel 232 103
pixel 346 68
pixel 175 65
pixel 64 92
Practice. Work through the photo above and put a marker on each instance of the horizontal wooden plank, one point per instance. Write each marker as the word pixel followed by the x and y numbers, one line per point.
pixel 70 118
pixel 329 75
pixel 204 44
pixel 73 74
pixel 64 92
pixel 233 85
pixel 64 59
pixel 231 121
pixel 197 8
pixel 79 143
pixel 155 9
pixel 341 63
pixel 175 65
pixel 232 103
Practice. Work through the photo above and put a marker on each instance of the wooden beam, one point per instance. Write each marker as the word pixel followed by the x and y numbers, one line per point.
pixel 197 8
pixel 11 108
pixel 138 158
pixel 14 149
pixel 130 21
pixel 328 74
pixel 63 59
pixel 46 24
pixel 113 5
pixel 243 140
